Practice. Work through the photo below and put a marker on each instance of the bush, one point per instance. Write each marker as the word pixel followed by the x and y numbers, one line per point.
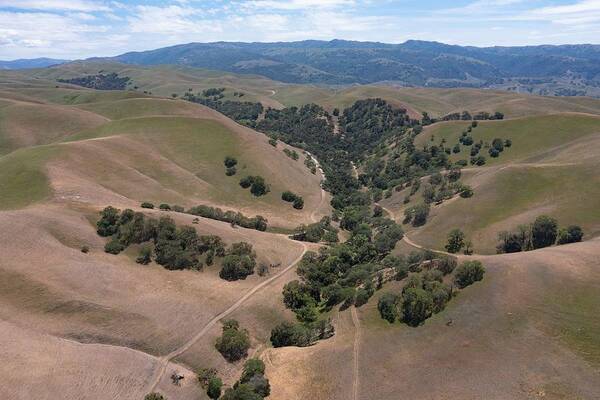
pixel 466 192
pixel 456 241
pixel 273 142
pixel 234 342
pixel 239 262
pixel 246 182
pixel 288 196
pixel 478 160
pixel 388 307
pixel 147 204
pixel 154 396
pixel 507 143
pixel 286 334
pixel 420 214
pixel 253 366
pixel 114 246
pixel 544 231
pixel 498 144
pixel 145 256
pixel 257 185
pixel 468 273
pixel 230 162
pixel 107 225
pixel 165 207
pixel 572 234
pixel 214 388
pixel 298 203
pixel 493 152
pixel 230 171
pixel 241 392
pixel 85 249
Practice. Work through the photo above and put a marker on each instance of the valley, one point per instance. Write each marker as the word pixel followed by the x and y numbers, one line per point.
pixel 353 290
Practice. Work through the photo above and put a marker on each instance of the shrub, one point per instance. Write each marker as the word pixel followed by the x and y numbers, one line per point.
pixel 177 208
pixel 543 232
pixel 456 148
pixel 145 256
pixel 257 185
pixel 456 241
pixel 498 144
pixel 362 296
pixel 572 234
pixel 478 160
pixel 165 207
pixel 85 249
pixel 154 396
pixel 107 225
pixel 468 273
pixel 234 342
pixel 246 182
pixel 260 385
pixel 288 196
pixel 253 366
pixel 417 306
pixel 114 246
pixel 273 142
pixel 466 192
pixel 230 162
pixel 239 262
pixel 388 307
pixel 493 152
pixel 214 388
pixel 420 214
pixel 241 392
pixel 286 334
pixel 299 203
pixel 147 204
pixel 507 143
pixel 230 171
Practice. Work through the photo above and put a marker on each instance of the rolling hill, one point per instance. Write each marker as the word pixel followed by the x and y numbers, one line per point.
pixel 98 325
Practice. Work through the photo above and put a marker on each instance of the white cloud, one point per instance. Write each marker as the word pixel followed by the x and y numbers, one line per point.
pixel 299 4
pixel 62 5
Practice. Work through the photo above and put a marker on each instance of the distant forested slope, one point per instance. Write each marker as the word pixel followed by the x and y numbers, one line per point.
pixel 549 70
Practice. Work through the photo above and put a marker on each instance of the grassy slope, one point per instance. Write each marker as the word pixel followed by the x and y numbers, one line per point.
pixel 550 169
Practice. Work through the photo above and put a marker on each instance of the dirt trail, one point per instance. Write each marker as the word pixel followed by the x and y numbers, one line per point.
pixel 186 346
pixel 356 353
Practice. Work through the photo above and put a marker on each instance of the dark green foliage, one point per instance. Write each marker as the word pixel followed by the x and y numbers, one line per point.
pixel 165 207
pixel 234 342
pixel 145 256
pixel 571 234
pixel 253 366
pixel 258 222
pixel 245 112
pixel 147 205
pixel 257 185
pixel 114 246
pixel 293 154
pixel 507 143
pixel 417 214
pixel 498 144
pixel 388 307
pixel 288 196
pixel 212 92
pixel 154 396
pixel 260 385
pixel 107 224
pixel 544 231
pixel 273 142
pixel 466 191
pixel 241 392
pixel 300 334
pixel 230 171
pixel 363 295
pixel 478 160
pixel 110 81
pixel 456 241
pixel 85 249
pixel 417 306
pixel 214 388
pixel 468 273
pixel 230 162
pixel 239 262
pixel 440 294
pixel 205 375
pixel 493 152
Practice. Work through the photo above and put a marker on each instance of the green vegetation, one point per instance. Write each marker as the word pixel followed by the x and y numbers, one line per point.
pixel 230 163
pixel 297 201
pixel 468 273
pixel 291 154
pixel 543 232
pixel 301 334
pixel 175 248
pixel 110 81
pixel 234 342
pixel 235 218
pixel 147 204
pixel 245 112
pixel 319 231
pixel 456 241
pixel 257 185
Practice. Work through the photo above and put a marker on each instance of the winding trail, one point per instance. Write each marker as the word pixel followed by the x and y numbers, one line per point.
pixel 356 353
pixel 164 361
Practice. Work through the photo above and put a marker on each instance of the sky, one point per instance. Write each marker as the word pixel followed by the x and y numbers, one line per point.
pixel 74 29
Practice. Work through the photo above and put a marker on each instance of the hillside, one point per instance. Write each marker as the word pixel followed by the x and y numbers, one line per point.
pixel 76 320
pixel 549 169
pixel 549 70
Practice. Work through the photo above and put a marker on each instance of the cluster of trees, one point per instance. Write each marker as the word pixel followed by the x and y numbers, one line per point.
pixel 317 232
pixel 457 241
pixel 257 185
pixel 310 164
pixel 293 154
pixel 234 341
pixel 110 81
pixel 235 218
pixel 175 248
pixel 214 92
pixel 244 112
pixel 230 163
pixel 301 334
pixel 252 385
pixel 543 232
pixel 462 116
pixel 290 197
pixel 425 293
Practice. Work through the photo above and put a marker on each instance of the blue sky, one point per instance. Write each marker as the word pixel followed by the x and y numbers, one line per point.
pixel 85 28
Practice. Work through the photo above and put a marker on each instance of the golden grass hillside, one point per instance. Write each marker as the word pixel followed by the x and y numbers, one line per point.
pixel 551 168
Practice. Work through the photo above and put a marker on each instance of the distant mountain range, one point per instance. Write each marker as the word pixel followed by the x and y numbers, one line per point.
pixel 30 63
pixel 563 70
